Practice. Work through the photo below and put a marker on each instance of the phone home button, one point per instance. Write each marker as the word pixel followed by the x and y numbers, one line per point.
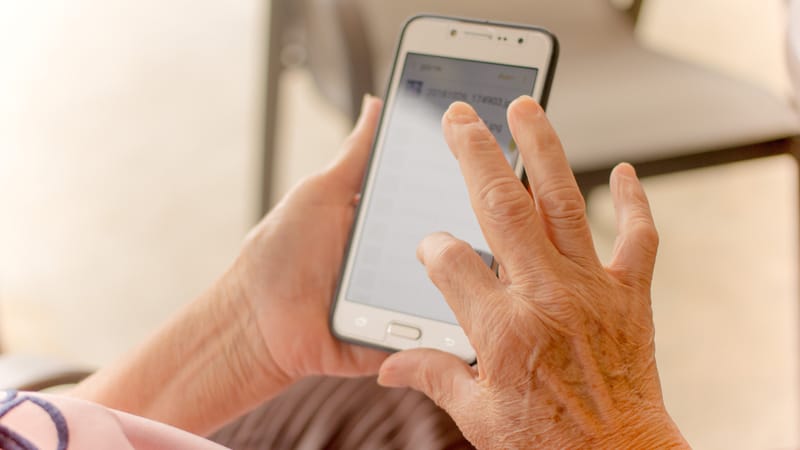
pixel 404 331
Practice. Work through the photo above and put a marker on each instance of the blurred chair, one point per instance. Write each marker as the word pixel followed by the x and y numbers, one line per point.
pixel 35 373
pixel 613 100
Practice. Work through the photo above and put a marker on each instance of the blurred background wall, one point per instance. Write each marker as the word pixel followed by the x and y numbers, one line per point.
pixel 129 138
pixel 129 172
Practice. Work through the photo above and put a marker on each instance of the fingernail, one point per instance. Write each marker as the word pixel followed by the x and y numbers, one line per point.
pixel 382 380
pixel 631 169
pixel 361 114
pixel 388 373
pixel 385 376
pixel 626 169
pixel 528 105
pixel 431 239
pixel 364 101
pixel 460 113
pixel 522 98
pixel 420 253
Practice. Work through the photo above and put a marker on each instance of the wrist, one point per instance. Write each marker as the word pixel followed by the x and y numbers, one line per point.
pixel 648 430
pixel 210 356
pixel 252 364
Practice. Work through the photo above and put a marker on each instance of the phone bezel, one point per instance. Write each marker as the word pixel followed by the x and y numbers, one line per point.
pixel 430 34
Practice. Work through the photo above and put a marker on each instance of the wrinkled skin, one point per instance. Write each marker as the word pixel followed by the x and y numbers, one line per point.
pixel 264 323
pixel 565 348
pixel 564 345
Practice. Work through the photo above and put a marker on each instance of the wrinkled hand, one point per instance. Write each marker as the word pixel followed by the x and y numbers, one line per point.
pixel 565 346
pixel 290 265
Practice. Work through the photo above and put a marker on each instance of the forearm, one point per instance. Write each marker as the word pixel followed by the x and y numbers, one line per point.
pixel 203 368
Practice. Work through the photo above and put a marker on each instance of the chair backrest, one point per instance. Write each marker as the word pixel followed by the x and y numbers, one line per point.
pixel 351 42
pixel 338 52
pixel 581 26
pixel 612 99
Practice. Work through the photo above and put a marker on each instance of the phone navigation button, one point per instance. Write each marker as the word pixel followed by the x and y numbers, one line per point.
pixel 404 331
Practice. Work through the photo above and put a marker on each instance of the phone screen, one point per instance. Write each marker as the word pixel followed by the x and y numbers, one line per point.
pixel 418 188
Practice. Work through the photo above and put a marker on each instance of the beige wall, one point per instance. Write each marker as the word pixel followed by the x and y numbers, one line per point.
pixel 129 139
pixel 744 38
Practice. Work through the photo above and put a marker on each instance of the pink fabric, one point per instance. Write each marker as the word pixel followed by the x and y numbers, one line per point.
pixel 91 426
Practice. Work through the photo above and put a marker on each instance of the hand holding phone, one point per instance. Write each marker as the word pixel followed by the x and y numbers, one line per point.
pixel 565 349
pixel 414 187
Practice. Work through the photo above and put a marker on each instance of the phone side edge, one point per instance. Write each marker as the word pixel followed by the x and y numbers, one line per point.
pixel 368 168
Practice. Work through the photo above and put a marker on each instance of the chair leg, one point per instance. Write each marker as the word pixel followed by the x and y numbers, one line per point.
pixel 359 54
pixel 795 152
pixel 278 12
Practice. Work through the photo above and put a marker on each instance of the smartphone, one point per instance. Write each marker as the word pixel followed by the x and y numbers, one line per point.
pixel 413 185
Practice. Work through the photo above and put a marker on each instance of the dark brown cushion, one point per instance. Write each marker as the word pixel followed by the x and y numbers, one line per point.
pixel 341 413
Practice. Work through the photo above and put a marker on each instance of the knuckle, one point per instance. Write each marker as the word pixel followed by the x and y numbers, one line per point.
pixel 645 234
pixel 562 202
pixel 504 202
pixel 555 304
pixel 440 392
pixel 426 381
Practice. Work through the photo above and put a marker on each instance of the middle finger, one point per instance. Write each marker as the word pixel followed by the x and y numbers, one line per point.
pixel 504 209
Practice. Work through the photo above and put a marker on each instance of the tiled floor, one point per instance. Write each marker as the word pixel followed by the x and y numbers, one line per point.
pixel 107 227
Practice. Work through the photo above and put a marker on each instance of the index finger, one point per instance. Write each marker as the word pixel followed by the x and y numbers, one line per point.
pixel 505 210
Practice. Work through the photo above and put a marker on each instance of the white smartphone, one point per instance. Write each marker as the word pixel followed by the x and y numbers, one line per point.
pixel 413 186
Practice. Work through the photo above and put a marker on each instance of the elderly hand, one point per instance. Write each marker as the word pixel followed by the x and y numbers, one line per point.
pixel 264 323
pixel 291 261
pixel 565 346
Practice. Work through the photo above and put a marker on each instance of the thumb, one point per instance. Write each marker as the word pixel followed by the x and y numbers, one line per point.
pixel 350 165
pixel 447 380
